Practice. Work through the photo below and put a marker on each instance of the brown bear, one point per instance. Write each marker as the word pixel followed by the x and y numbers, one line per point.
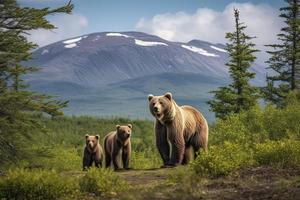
pixel 116 145
pixel 184 127
pixel 93 152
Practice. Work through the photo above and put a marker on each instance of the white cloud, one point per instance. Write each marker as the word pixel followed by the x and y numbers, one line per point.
pixel 210 25
pixel 67 26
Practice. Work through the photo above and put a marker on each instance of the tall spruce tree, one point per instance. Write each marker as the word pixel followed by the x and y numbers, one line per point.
pixel 17 103
pixel 285 59
pixel 239 95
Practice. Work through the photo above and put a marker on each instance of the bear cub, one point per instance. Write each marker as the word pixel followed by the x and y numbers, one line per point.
pixel 93 152
pixel 117 147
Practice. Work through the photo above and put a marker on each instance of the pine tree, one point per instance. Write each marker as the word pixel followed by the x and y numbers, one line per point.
pixel 17 103
pixel 239 95
pixel 285 59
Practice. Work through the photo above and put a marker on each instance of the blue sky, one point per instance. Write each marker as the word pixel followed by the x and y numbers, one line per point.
pixel 122 15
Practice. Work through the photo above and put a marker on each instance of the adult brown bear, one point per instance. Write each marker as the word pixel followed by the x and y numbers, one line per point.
pixel 184 127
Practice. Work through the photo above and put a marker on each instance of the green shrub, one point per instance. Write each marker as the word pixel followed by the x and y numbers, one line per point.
pixel 284 153
pixel 222 159
pixel 102 182
pixel 258 125
pixel 36 184
pixel 63 159
pixel 232 129
pixel 58 158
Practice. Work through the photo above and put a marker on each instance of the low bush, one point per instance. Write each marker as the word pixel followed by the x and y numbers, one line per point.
pixel 259 124
pixel 102 182
pixel 285 153
pixel 35 184
pixel 63 159
pixel 223 159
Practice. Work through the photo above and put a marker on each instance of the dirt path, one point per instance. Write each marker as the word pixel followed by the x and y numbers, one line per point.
pixel 256 183
pixel 145 177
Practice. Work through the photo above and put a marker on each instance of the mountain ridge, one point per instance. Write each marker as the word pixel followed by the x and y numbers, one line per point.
pixel 96 63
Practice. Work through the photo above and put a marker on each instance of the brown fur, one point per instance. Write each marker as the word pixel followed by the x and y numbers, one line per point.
pixel 184 127
pixel 117 145
pixel 92 152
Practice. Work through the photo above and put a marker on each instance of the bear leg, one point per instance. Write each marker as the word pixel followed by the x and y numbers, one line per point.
pixel 125 159
pixel 188 154
pixel 178 145
pixel 87 160
pixel 98 163
pixel 107 160
pixel 115 157
pixel 196 143
pixel 126 156
pixel 177 154
pixel 162 142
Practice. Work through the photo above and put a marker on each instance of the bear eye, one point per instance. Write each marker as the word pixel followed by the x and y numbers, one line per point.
pixel 161 103
pixel 153 104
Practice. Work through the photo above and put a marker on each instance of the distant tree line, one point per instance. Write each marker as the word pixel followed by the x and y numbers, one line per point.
pixel 284 64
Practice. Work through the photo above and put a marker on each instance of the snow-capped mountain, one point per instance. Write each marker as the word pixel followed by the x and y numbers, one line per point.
pixel 111 73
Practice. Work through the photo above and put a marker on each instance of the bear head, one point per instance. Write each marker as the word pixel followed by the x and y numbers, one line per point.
pixel 92 141
pixel 123 132
pixel 162 107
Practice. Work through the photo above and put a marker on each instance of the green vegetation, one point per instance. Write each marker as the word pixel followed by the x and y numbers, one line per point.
pixel 102 182
pixel 36 184
pixel 282 154
pixel 263 139
pixel 222 160
pixel 260 136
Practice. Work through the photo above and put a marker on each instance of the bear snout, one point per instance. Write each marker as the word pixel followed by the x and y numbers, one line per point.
pixel 155 109
pixel 91 145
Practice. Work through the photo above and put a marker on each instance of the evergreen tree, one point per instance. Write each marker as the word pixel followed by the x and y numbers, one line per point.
pixel 239 95
pixel 285 59
pixel 17 103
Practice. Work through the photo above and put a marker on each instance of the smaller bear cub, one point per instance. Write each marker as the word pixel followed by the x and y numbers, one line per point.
pixel 117 146
pixel 93 152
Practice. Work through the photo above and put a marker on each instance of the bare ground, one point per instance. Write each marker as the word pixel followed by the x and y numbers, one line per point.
pixel 254 183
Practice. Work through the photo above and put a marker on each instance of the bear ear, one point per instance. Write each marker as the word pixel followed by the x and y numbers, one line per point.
pixel 117 126
pixel 86 136
pixel 168 95
pixel 130 126
pixel 150 96
pixel 97 137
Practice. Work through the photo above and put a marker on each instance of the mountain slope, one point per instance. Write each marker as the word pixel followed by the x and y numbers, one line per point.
pixel 110 74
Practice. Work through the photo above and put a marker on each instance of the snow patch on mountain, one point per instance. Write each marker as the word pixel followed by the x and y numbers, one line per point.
pixel 199 51
pixel 96 38
pixel 45 51
pixel 218 49
pixel 72 40
pixel 69 46
pixel 148 43
pixel 117 35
